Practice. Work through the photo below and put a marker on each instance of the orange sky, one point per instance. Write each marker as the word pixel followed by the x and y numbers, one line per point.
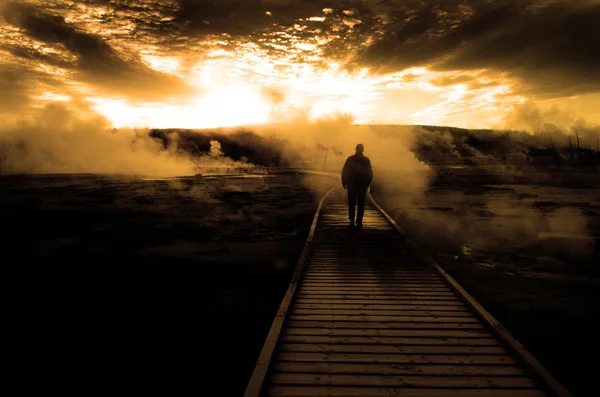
pixel 184 63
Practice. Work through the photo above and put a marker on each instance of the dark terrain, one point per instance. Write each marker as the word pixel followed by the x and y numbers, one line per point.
pixel 149 282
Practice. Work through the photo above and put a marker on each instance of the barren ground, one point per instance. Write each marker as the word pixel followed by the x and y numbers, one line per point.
pixel 148 282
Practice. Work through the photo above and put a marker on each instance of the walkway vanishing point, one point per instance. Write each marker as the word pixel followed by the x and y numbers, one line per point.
pixel 369 314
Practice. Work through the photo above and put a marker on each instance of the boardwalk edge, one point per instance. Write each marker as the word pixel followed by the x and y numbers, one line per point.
pixel 541 373
pixel 261 369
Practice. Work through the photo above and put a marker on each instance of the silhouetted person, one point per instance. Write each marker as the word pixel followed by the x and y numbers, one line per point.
pixel 357 176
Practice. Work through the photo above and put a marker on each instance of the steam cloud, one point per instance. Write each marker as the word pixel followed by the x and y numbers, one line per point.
pixel 70 138
pixel 555 122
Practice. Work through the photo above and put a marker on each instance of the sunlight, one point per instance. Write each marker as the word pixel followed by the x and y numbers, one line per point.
pixel 52 96
pixel 249 86
pixel 230 106
pixel 169 65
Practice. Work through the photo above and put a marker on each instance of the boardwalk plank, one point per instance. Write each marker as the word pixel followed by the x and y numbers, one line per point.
pixel 367 277
pixel 391 349
pixel 333 302
pixel 371 312
pixel 383 325
pixel 388 340
pixel 446 297
pixel 395 369
pixel 332 391
pixel 455 359
pixel 373 288
pixel 388 332
pixel 382 284
pixel 374 306
pixel 393 319
pixel 406 381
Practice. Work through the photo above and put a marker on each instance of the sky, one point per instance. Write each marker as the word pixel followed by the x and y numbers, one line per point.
pixel 220 63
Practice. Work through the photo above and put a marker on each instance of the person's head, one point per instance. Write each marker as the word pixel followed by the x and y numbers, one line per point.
pixel 360 148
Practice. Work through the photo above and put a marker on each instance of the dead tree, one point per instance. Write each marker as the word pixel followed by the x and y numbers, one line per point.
pixel 555 154
pixel 578 150
pixel 571 155
pixel 597 152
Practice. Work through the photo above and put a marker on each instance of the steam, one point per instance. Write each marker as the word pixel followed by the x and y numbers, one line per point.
pixel 553 125
pixel 324 144
pixel 215 149
pixel 70 138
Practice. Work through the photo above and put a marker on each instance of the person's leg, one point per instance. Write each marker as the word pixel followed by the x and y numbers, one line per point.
pixel 361 196
pixel 351 203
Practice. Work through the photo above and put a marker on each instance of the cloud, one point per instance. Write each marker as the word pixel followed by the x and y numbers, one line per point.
pixel 549 45
pixel 98 63
pixel 242 17
pixel 152 51
pixel 20 84
pixel 13 88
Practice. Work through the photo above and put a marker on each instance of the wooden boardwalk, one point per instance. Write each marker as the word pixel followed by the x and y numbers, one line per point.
pixel 367 314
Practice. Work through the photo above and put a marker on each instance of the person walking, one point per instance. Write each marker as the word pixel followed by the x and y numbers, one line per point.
pixel 357 176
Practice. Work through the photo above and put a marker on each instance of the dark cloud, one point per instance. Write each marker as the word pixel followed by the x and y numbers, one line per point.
pixel 20 83
pixel 275 25
pixel 552 46
pixel 34 54
pixel 411 34
pixel 243 17
pixel 97 61
pixel 14 90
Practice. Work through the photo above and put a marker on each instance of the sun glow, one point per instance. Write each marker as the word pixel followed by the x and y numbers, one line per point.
pixel 248 86
pixel 229 106
pixel 233 105
pixel 169 65
pixel 161 64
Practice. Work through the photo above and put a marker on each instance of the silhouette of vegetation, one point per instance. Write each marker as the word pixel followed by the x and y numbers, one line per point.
pixel 434 145
pixel 444 146
pixel 241 145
